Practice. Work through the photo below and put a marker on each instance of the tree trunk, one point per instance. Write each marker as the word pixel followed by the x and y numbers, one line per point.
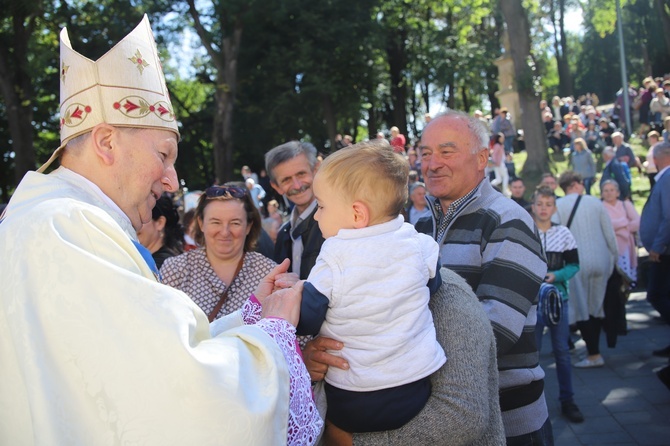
pixel 372 111
pixel 415 112
pixel 397 57
pixel 464 98
pixel 225 62
pixel 425 92
pixel 17 91
pixel 564 75
pixel 663 8
pixel 330 119
pixel 231 48
pixel 223 144
pixel 217 137
pixel 518 30
pixel 645 58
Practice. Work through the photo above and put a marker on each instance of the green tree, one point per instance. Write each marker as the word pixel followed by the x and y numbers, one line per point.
pixel 555 10
pixel 29 65
pixel 19 29
pixel 222 40
pixel 518 29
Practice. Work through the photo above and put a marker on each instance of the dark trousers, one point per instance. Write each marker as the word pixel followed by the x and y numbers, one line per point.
pixel 658 286
pixel 590 331
pixel 377 410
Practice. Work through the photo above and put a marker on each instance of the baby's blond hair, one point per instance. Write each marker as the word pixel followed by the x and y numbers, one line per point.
pixel 372 173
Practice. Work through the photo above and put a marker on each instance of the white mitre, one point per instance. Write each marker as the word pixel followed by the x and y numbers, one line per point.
pixel 125 88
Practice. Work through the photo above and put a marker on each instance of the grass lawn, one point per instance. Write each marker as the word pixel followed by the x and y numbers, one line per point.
pixel 640 185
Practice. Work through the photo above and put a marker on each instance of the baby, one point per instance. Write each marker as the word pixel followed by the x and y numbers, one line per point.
pixel 370 289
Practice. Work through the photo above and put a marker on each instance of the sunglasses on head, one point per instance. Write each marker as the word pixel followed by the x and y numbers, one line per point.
pixel 222 191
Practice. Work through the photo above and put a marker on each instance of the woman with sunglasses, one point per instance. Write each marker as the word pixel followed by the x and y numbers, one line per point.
pixel 224 271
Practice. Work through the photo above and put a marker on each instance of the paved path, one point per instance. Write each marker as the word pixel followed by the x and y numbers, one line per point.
pixel 624 403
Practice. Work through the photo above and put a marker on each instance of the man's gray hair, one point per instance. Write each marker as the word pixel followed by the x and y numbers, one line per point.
pixel 479 134
pixel 75 144
pixel 287 152
pixel 662 150
pixel 609 152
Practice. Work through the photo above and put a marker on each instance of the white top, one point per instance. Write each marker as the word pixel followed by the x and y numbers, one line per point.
pixel 93 350
pixel 598 252
pixel 298 247
pixel 376 279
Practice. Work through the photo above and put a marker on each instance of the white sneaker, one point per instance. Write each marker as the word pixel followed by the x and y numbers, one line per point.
pixel 587 363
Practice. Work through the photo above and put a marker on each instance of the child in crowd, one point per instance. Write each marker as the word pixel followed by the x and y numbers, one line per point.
pixel 370 289
pixel 497 152
pixel 560 249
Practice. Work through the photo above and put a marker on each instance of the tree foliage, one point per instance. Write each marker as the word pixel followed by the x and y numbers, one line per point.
pixel 260 73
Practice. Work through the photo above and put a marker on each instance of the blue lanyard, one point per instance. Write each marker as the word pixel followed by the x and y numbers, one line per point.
pixel 146 255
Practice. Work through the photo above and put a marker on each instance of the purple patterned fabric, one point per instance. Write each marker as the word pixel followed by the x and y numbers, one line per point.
pixel 304 422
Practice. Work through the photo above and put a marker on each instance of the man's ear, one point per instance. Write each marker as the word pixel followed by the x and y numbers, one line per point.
pixel 104 137
pixel 361 215
pixel 482 159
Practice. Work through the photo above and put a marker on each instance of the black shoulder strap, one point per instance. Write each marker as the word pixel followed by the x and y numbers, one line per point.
pixel 574 209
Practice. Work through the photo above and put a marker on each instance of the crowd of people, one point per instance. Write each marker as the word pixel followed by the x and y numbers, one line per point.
pixel 378 295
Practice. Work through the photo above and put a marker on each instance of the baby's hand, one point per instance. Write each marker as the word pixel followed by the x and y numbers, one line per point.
pixel 285 280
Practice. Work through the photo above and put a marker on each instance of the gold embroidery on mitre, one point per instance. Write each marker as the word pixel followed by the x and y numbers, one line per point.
pixel 63 71
pixel 75 114
pixel 138 107
pixel 139 61
pixel 143 101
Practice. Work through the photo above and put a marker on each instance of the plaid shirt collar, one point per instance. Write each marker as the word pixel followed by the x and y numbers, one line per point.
pixel 443 218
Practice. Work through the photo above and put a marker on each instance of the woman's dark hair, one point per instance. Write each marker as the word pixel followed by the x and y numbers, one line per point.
pixel 495 139
pixel 173 233
pixel 253 216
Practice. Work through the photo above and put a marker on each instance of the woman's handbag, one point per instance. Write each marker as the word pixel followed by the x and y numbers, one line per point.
pixel 550 304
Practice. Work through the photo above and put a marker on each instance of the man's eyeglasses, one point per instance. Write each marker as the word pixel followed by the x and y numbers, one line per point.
pixel 222 191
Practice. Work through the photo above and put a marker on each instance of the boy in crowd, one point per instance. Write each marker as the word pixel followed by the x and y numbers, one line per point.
pixel 560 249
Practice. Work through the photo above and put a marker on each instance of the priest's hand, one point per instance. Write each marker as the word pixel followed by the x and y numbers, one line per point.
pixel 267 284
pixel 284 304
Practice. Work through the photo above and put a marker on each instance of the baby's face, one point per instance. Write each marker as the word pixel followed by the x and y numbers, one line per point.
pixel 333 211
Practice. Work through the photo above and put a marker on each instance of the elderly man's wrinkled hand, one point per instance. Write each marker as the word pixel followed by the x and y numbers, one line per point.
pixel 317 359
pixel 284 304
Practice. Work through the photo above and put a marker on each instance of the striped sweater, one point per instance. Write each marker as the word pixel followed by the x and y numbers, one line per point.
pixel 494 245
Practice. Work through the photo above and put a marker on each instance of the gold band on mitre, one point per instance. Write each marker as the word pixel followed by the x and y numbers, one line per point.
pixel 125 87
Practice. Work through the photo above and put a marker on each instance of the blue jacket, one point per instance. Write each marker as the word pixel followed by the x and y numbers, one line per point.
pixel 615 171
pixel 655 220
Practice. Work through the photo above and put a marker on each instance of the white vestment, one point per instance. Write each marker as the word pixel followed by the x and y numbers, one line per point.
pixel 93 350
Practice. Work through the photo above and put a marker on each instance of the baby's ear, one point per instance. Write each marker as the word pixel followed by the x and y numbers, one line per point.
pixel 361 215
